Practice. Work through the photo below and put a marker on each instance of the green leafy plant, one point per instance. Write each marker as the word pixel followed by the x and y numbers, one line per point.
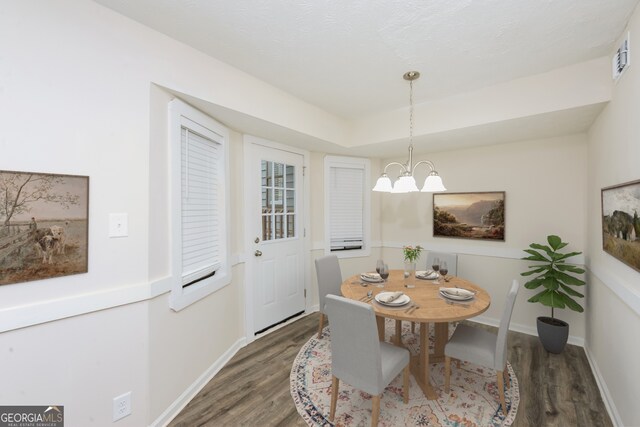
pixel 552 274
pixel 411 253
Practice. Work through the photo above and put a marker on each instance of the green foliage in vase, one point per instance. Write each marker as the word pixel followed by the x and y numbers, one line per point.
pixel 411 253
pixel 552 274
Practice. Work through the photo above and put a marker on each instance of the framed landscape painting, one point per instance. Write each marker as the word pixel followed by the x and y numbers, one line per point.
pixel 620 222
pixel 469 215
pixel 43 225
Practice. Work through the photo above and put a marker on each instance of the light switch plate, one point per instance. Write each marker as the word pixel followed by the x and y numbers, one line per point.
pixel 118 225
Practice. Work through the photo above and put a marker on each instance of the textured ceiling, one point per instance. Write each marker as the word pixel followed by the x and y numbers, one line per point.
pixel 348 56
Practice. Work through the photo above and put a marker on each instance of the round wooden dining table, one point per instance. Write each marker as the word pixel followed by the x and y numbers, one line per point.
pixel 426 306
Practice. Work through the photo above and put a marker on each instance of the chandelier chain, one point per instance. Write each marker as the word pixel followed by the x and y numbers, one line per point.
pixel 411 112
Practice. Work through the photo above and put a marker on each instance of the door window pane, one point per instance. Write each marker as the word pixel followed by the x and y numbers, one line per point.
pixel 279 226
pixel 278 201
pixel 266 227
pixel 291 226
pixel 266 174
pixel 278 198
pixel 291 204
pixel 278 172
pixel 290 176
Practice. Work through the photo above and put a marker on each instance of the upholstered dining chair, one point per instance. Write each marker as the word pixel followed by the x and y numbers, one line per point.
pixel 329 281
pixel 483 348
pixel 450 258
pixel 358 357
pixel 452 264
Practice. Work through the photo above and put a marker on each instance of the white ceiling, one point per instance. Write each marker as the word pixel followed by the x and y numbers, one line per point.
pixel 348 56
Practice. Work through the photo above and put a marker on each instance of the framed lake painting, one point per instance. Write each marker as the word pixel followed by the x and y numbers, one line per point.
pixel 620 222
pixel 43 225
pixel 469 215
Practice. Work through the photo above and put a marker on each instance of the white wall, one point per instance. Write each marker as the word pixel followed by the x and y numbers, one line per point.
pixel 613 314
pixel 82 99
pixel 545 194
pixel 79 96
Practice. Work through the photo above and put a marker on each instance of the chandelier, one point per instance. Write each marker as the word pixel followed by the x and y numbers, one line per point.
pixel 406 183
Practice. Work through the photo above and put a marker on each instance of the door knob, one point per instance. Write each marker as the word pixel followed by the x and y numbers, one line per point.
pixel 258 253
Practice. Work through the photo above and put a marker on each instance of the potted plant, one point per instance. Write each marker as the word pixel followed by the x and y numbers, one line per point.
pixel 553 274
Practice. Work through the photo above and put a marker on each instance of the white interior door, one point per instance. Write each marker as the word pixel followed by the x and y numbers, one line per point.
pixel 277 239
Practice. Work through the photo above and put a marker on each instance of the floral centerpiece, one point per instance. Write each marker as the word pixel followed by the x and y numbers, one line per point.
pixel 411 253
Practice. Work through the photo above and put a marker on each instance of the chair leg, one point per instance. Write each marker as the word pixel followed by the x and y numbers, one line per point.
pixel 447 373
pixel 507 379
pixel 405 383
pixel 335 385
pixel 458 363
pixel 375 410
pixel 413 327
pixel 321 325
pixel 501 391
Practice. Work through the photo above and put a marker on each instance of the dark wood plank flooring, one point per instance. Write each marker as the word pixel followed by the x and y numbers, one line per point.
pixel 253 388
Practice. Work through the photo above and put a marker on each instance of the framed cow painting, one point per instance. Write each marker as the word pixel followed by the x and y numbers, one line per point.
pixel 43 225
pixel 620 222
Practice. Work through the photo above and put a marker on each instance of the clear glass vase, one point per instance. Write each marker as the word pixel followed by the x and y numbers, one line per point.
pixel 409 269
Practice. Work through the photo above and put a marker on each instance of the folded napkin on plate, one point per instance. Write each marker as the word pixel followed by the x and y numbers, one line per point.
pixel 373 276
pixel 459 292
pixel 391 297
pixel 426 274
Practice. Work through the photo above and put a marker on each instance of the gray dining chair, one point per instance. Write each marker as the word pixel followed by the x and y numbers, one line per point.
pixel 452 266
pixel 483 348
pixel 329 281
pixel 358 357
pixel 450 258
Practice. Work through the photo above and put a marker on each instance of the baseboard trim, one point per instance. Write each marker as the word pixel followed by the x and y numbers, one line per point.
pixel 604 390
pixel 525 329
pixel 178 405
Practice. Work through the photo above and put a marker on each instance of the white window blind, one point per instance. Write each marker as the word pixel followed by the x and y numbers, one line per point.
pixel 346 211
pixel 201 231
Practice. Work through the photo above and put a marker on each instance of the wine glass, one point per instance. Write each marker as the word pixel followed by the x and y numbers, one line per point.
pixel 444 270
pixel 436 267
pixel 379 265
pixel 384 273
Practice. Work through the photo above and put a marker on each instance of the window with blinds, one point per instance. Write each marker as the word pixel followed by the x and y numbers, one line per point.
pixel 347 206
pixel 199 188
pixel 200 206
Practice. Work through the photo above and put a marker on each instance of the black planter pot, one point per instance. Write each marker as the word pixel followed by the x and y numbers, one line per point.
pixel 553 334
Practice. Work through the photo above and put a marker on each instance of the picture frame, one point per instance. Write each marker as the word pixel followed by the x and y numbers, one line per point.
pixel 620 222
pixel 473 215
pixel 44 225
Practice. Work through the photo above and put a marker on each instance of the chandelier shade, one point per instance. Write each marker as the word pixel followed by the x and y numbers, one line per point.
pixel 406 183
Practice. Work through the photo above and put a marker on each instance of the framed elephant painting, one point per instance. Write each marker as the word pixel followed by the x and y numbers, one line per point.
pixel 620 222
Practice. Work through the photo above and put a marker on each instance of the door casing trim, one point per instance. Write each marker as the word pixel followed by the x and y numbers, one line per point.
pixel 248 142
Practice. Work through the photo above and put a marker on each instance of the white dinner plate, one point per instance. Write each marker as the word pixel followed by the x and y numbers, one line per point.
pixel 400 301
pixel 371 279
pixel 456 297
pixel 427 275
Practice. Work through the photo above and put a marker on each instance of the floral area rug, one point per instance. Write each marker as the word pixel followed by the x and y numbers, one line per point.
pixel 472 400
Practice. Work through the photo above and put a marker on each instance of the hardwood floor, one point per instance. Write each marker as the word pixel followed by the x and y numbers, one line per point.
pixel 253 388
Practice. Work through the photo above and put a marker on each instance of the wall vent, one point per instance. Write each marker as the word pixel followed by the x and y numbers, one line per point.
pixel 621 59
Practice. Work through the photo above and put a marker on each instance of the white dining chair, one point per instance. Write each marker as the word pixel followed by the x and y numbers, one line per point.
pixel 329 281
pixel 358 357
pixel 483 348
pixel 450 258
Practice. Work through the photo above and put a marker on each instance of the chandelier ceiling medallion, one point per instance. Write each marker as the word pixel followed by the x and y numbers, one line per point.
pixel 406 183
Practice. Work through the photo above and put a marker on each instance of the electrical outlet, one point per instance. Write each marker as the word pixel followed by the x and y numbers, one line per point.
pixel 121 406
